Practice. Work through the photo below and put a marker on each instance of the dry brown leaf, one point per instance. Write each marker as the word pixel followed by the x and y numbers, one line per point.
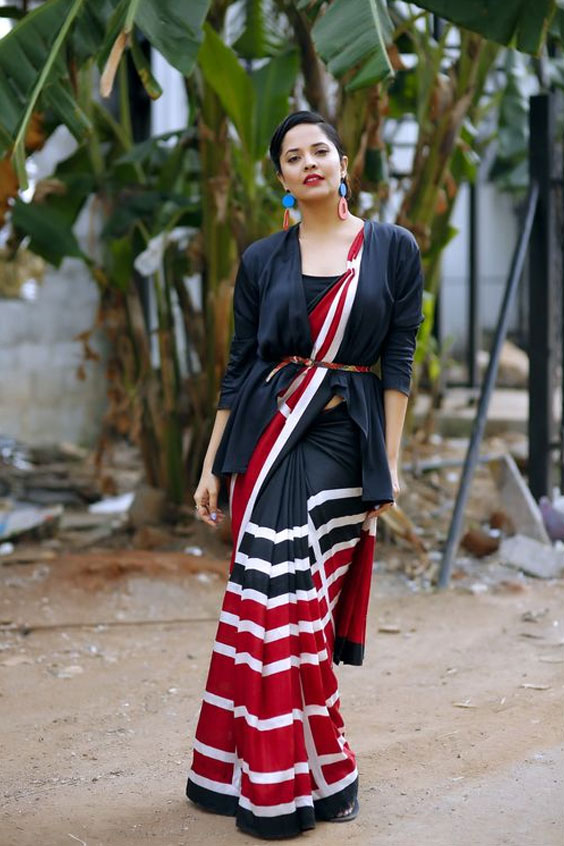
pixel 112 64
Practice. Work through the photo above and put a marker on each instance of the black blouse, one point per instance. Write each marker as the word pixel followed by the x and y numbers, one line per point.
pixel 315 287
pixel 271 301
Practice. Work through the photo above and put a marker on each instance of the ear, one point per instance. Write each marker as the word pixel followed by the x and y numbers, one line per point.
pixel 344 163
pixel 281 180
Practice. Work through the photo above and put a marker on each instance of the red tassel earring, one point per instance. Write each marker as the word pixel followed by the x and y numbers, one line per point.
pixel 343 210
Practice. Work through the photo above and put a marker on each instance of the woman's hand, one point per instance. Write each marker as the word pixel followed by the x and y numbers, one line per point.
pixel 205 498
pixel 393 465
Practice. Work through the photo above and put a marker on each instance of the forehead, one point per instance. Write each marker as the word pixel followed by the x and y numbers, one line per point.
pixel 303 135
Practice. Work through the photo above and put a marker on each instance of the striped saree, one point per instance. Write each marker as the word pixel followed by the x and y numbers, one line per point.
pixel 270 746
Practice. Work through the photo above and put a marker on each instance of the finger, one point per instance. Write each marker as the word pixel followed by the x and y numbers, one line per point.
pixel 202 511
pixel 212 507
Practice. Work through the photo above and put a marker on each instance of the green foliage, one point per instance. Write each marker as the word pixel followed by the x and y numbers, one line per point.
pixel 30 58
pixel 35 70
pixel 50 235
pixel 255 102
pixel 231 83
pixel 172 30
pixel 350 37
pixel 260 34
pixel 213 177
pixel 511 22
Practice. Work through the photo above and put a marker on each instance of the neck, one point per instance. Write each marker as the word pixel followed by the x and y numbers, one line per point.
pixel 320 219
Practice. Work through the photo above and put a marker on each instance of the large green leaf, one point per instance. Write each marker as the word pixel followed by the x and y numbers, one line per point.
pixel 24 54
pixel 260 31
pixel 34 55
pixel 174 28
pixel 50 235
pixel 231 83
pixel 521 23
pixel 510 168
pixel 90 29
pixel 273 83
pixel 350 37
pixel 33 67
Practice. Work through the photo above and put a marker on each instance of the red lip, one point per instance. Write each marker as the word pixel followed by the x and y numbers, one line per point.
pixel 314 177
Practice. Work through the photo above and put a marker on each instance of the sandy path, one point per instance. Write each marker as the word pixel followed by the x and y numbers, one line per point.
pixel 101 757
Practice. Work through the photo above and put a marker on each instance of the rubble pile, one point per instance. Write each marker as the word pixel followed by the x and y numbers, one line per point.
pixel 54 505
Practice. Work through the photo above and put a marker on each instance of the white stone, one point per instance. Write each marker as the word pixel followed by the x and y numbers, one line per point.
pixel 532 557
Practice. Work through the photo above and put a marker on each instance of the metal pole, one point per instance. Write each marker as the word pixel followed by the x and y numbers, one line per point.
pixel 560 219
pixel 474 293
pixel 543 299
pixel 472 455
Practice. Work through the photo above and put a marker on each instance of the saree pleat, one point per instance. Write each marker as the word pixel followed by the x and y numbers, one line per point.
pixel 270 746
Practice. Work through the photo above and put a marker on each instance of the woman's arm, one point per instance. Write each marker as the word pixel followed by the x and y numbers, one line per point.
pixel 398 350
pixel 242 354
pixel 205 495
pixel 395 408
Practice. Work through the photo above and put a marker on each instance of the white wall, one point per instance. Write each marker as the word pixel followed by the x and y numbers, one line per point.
pixel 497 234
pixel 41 400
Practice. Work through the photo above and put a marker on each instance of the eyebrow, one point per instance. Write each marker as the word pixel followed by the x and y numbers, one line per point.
pixel 295 149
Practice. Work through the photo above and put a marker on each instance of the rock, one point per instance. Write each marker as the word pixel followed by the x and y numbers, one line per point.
pixel 25 520
pixel 532 557
pixel 517 500
pixel 513 366
pixel 148 506
pixel 479 543
pixel 501 520
pixel 70 671
pixel 112 504
pixel 553 519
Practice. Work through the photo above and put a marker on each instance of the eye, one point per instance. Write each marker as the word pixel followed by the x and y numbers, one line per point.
pixel 322 152
pixel 292 159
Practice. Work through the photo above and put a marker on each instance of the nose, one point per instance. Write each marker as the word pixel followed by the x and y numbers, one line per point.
pixel 308 162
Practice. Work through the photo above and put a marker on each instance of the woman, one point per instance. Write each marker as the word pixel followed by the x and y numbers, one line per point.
pixel 309 436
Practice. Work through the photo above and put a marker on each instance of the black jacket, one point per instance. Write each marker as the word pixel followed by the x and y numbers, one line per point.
pixel 271 321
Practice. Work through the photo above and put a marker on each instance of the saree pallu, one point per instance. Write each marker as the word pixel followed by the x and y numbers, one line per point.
pixel 270 746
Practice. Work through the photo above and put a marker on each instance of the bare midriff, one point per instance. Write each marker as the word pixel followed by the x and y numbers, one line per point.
pixel 335 400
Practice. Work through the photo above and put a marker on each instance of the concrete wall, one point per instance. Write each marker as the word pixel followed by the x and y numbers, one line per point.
pixel 498 230
pixel 41 399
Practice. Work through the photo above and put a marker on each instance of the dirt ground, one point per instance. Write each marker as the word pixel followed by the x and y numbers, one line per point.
pixel 456 718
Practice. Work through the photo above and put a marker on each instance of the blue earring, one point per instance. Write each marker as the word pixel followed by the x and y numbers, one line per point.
pixel 288 201
pixel 343 208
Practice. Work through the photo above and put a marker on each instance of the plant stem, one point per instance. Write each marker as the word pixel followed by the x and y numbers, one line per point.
pixel 19 153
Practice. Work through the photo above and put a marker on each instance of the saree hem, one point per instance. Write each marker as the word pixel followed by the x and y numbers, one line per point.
pixel 212 801
pixel 277 827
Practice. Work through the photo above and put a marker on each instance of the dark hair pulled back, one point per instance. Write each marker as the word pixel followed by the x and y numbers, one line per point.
pixel 294 119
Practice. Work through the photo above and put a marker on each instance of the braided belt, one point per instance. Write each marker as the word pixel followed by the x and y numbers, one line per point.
pixel 312 362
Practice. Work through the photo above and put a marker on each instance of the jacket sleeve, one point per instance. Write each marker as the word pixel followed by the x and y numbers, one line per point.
pixel 397 352
pixel 243 349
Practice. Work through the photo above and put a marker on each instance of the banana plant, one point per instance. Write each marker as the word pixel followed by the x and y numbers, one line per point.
pixel 40 56
pixel 213 178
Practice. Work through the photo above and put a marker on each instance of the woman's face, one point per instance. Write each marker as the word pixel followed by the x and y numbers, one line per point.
pixel 310 165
